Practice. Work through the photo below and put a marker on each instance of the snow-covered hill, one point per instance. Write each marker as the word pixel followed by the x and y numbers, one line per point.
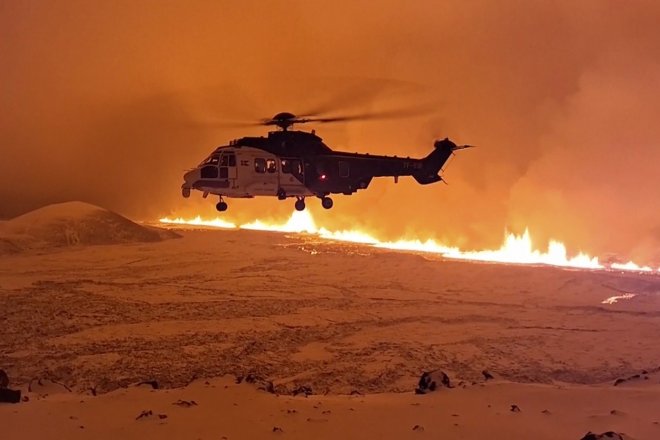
pixel 72 224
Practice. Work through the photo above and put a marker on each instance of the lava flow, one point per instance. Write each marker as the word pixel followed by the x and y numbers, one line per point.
pixel 516 249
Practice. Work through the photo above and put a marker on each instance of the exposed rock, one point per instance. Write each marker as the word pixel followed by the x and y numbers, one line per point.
pixel 259 382
pixel 487 375
pixel 644 375
pixel 145 414
pixel 302 389
pixel 4 379
pixel 277 429
pixel 10 396
pixel 281 389
pixel 47 386
pixel 431 381
pixel 418 428
pixel 152 383
pixel 515 408
pixel 185 403
pixel 609 435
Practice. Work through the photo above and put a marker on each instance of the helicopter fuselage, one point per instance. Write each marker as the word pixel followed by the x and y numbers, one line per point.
pixel 298 164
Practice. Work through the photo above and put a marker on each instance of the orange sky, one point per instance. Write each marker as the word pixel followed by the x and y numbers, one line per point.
pixel 107 102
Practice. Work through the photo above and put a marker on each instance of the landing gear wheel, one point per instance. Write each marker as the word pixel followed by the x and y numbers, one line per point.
pixel 281 194
pixel 300 205
pixel 326 202
pixel 221 206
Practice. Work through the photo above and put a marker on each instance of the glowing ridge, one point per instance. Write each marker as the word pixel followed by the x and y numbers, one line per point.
pixel 516 249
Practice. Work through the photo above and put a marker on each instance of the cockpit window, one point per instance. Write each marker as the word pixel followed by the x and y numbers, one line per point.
pixel 211 160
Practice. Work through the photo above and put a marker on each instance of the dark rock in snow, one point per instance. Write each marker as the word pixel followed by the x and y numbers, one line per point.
pixel 303 389
pixel 259 382
pixel 185 403
pixel 487 375
pixel 10 396
pixel 7 395
pixel 609 435
pixel 145 414
pixel 431 381
pixel 152 383
pixel 515 408
pixel 47 386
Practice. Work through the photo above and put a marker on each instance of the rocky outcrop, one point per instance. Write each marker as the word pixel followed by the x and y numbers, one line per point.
pixel 431 381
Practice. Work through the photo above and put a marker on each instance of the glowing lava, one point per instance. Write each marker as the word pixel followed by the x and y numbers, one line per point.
pixel 516 249
pixel 198 221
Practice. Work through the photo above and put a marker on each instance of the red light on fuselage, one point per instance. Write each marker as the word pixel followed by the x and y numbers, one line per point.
pixel 322 177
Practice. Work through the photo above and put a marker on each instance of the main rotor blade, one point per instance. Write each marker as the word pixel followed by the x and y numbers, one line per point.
pixel 360 92
pixel 226 124
pixel 389 114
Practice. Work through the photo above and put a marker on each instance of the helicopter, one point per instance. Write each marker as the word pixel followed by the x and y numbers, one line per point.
pixel 298 164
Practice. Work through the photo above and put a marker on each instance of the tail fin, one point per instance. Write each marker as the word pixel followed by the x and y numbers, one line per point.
pixel 432 163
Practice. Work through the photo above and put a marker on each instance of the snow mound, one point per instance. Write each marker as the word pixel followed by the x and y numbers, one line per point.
pixel 71 224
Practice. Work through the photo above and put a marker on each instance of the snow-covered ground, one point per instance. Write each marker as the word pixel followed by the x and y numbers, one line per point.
pixel 338 318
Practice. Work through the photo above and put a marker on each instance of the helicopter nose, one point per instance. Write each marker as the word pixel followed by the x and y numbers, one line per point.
pixel 191 176
pixel 189 179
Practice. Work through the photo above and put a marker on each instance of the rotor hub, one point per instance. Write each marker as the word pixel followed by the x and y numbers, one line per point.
pixel 283 120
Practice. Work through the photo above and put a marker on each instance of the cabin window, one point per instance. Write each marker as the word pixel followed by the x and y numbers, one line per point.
pixel 209 172
pixel 232 160
pixel 344 169
pixel 292 166
pixel 271 166
pixel 296 168
pixel 260 165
